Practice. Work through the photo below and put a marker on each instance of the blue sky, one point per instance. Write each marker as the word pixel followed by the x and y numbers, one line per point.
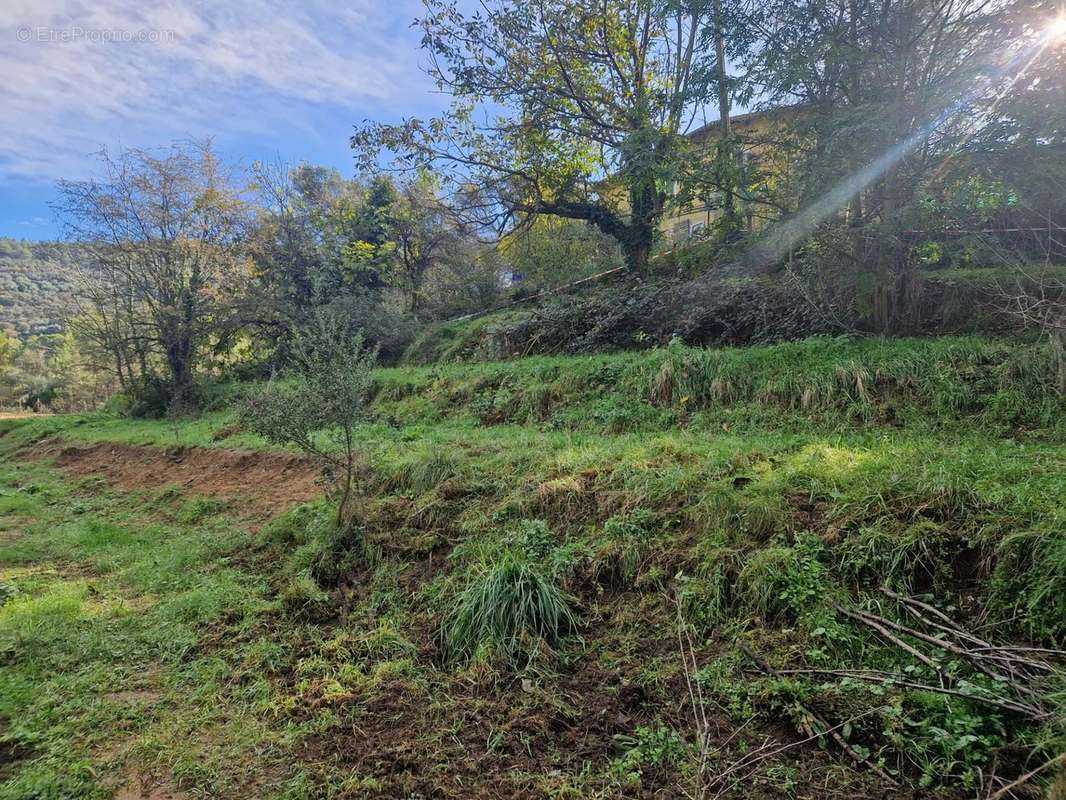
pixel 268 80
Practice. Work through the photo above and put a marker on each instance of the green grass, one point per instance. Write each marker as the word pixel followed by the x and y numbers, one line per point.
pixel 512 605
pixel 565 508
pixel 105 666
pixel 465 340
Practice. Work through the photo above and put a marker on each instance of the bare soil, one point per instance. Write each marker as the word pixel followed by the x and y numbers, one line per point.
pixel 267 483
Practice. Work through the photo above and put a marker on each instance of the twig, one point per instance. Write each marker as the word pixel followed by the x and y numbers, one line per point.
pixel 878 623
pixel 1001 654
pixel 830 730
pixel 1027 777
pixel 881 629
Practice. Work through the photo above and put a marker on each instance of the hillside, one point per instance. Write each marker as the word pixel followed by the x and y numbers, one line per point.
pixel 747 544
pixel 36 286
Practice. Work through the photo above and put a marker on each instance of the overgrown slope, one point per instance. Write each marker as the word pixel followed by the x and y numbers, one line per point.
pixel 575 570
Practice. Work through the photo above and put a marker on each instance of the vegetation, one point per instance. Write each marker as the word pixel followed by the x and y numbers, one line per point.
pixel 320 405
pixel 36 280
pixel 554 545
pixel 510 605
pixel 562 539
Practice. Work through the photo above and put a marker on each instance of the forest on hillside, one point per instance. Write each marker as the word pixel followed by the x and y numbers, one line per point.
pixel 36 286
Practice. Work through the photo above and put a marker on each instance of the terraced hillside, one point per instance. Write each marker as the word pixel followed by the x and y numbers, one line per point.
pixel 830 568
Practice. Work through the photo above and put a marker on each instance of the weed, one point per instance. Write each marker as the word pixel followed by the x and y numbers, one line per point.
pixel 651 748
pixel 509 605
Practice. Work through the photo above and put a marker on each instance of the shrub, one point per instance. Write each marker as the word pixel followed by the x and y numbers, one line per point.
pixel 317 408
pixel 510 605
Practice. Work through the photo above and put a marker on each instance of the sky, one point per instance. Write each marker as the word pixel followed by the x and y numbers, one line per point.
pixel 269 79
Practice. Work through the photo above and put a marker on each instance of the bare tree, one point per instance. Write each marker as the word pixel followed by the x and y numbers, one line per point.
pixel 164 233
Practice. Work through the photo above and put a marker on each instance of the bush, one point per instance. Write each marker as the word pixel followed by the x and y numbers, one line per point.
pixel 147 398
pixel 511 606
pixel 318 406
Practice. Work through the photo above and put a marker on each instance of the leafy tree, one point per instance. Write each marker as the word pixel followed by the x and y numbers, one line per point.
pixel 306 225
pixel 165 236
pixel 319 402
pixel 369 253
pixel 551 251
pixel 426 233
pixel 586 102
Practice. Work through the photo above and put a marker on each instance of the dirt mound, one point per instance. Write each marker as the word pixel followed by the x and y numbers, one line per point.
pixel 270 483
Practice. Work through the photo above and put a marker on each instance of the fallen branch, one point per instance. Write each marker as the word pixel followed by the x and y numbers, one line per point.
pixel 876 676
pixel 881 629
pixel 829 730
pixel 1027 777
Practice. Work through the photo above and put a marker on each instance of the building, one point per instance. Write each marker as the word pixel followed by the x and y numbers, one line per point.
pixel 760 134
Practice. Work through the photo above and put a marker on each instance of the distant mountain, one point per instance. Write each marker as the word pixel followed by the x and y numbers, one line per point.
pixel 36 286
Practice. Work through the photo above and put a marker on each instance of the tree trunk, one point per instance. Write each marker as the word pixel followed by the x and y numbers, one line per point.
pixel 639 235
pixel 727 162
pixel 637 254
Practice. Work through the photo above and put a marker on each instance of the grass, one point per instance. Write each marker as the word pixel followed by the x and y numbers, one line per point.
pixel 510 605
pixel 510 505
pixel 103 664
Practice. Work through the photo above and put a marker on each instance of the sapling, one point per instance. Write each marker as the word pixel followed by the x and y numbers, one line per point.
pixel 318 403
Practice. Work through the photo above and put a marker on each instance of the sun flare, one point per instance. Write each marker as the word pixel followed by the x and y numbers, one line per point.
pixel 1057 29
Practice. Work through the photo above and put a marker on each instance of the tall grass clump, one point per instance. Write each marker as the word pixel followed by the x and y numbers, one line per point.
pixel 511 607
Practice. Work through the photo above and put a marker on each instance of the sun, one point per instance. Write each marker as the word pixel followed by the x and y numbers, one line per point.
pixel 1057 29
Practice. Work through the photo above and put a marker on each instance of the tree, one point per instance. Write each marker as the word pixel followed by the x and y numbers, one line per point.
pixel 426 231
pixel 320 402
pixel 553 251
pixel 586 102
pixel 890 86
pixel 164 233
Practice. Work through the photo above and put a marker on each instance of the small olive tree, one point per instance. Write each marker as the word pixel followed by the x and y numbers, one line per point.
pixel 319 401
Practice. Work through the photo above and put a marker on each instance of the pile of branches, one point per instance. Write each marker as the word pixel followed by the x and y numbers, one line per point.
pixel 1024 676
pixel 722 307
pixel 1023 680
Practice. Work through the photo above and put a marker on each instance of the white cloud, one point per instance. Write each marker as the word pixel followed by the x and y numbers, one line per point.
pixel 229 69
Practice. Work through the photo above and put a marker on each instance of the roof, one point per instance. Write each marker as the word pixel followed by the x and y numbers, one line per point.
pixel 744 119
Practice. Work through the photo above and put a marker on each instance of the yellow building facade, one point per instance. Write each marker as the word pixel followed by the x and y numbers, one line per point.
pixel 759 134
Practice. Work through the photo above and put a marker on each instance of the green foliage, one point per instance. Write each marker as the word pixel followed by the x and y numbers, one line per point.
pixel 651 748
pixel 945 737
pixel 510 606
pixel 552 251
pixel 321 402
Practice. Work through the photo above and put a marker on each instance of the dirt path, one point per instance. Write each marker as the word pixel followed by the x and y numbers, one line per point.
pixel 270 483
